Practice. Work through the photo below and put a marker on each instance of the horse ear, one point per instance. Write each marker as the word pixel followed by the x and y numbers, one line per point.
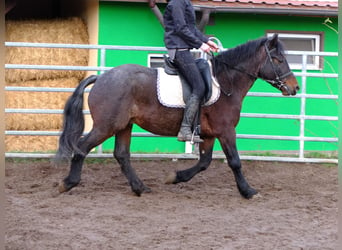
pixel 273 41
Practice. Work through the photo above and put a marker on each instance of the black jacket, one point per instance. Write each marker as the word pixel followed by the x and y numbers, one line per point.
pixel 180 26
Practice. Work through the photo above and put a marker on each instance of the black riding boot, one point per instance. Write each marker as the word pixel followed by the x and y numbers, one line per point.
pixel 191 109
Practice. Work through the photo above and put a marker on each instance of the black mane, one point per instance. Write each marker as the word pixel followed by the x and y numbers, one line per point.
pixel 241 53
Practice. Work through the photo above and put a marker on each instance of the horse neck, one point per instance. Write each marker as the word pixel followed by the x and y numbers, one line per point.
pixel 240 77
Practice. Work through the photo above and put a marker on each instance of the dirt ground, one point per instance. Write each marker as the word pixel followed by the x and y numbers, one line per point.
pixel 296 208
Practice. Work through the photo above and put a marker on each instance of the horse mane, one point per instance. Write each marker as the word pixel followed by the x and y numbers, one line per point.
pixel 241 53
pixel 245 52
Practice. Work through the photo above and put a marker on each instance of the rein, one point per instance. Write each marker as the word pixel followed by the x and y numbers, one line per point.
pixel 277 82
pixel 214 75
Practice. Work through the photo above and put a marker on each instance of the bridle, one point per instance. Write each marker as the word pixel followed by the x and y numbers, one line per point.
pixel 277 82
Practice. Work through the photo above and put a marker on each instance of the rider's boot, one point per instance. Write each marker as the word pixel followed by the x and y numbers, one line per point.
pixel 190 111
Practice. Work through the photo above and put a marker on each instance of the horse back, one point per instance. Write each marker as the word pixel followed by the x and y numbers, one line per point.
pixel 122 82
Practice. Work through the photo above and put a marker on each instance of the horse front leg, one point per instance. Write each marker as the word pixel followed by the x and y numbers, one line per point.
pixel 206 151
pixel 233 158
pixel 122 155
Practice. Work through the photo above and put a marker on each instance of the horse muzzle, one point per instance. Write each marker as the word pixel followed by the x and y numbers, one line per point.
pixel 290 86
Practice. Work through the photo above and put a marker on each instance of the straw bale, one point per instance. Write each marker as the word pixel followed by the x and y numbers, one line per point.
pixel 31 143
pixel 33 121
pixel 53 83
pixel 37 100
pixel 71 30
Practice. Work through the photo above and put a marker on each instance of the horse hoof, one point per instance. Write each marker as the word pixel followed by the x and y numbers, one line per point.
pixel 141 190
pixel 147 190
pixel 256 196
pixel 171 178
pixel 251 194
pixel 62 188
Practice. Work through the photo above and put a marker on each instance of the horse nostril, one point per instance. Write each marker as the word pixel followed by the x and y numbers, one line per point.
pixel 297 88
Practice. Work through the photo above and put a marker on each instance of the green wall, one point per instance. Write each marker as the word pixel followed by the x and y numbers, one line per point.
pixel 135 24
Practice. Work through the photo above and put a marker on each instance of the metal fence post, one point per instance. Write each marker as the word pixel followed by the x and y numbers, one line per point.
pixel 302 108
pixel 102 64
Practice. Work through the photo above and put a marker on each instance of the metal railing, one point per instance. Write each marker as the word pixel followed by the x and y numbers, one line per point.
pixel 302 117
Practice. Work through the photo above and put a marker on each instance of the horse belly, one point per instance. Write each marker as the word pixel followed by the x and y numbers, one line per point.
pixel 158 119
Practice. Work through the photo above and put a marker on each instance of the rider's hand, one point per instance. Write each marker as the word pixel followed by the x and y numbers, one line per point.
pixel 213 46
pixel 209 46
pixel 205 48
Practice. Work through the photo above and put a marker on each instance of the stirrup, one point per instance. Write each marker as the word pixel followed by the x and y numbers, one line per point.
pixel 195 138
pixel 192 138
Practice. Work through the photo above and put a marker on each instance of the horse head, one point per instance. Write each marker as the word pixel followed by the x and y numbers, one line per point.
pixel 276 69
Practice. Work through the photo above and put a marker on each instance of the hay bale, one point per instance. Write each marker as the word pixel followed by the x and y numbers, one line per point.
pixel 71 30
pixel 31 143
pixel 33 121
pixel 53 83
pixel 38 100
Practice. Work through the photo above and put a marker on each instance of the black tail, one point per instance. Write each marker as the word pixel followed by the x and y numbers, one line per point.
pixel 73 123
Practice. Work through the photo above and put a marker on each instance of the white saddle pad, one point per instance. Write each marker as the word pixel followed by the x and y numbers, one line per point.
pixel 170 92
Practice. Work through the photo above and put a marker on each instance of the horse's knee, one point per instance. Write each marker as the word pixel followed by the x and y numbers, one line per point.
pixel 205 160
pixel 234 163
pixel 121 156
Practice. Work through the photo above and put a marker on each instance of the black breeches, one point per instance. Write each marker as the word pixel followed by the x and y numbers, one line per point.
pixel 187 66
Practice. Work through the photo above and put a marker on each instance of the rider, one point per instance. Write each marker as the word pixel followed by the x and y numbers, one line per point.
pixel 181 35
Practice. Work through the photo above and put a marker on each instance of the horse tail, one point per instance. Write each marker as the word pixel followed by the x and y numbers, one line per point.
pixel 73 122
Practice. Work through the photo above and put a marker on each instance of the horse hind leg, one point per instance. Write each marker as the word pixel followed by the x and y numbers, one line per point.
pixel 86 143
pixel 122 155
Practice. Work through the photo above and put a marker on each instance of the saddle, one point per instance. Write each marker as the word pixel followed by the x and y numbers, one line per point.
pixel 171 69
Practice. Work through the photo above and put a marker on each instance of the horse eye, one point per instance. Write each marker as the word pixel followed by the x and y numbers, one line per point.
pixel 277 60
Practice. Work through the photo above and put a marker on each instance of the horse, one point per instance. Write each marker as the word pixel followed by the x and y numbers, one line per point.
pixel 127 95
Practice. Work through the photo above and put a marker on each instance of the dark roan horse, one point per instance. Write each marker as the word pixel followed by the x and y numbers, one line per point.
pixel 127 95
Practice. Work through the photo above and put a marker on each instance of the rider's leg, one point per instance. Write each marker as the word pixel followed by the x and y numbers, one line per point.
pixel 187 66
